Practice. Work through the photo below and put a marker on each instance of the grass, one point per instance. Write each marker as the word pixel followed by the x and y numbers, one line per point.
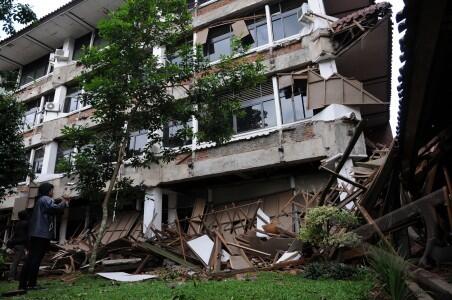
pixel 266 286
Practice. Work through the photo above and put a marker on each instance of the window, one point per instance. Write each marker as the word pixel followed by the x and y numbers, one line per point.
pixel 258 29
pixel 80 44
pixel 174 135
pixel 38 161
pixel 284 19
pixel 73 100
pixel 218 42
pixel 174 55
pixel 99 42
pixel 137 142
pixel 30 118
pixel 294 102
pixel 258 109
pixel 35 70
pixel 64 155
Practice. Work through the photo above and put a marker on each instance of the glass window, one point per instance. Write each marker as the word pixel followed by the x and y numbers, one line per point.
pixel 34 70
pixel 173 135
pixel 256 114
pixel 285 20
pixel 80 44
pixel 99 42
pixel 294 104
pixel 137 142
pixel 30 118
pixel 38 161
pixel 64 155
pixel 73 100
pixel 250 118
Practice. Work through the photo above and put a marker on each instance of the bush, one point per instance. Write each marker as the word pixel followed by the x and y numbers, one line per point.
pixel 319 223
pixel 391 270
pixel 331 270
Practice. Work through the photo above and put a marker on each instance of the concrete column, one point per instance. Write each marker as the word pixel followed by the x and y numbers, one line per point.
pixel 63 226
pixel 58 100
pixel 68 47
pixel 152 213
pixel 50 154
pixel 172 207
pixel 269 24
pixel 277 102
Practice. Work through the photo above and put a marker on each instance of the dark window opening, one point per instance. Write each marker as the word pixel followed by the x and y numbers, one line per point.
pixel 165 209
pixel 35 70
pixel 258 30
pixel 218 42
pixel 99 42
pixel 294 102
pixel 38 161
pixel 258 109
pixel 73 100
pixel 31 115
pixel 137 142
pixel 285 20
pixel 64 156
pixel 174 135
pixel 80 45
pixel 174 56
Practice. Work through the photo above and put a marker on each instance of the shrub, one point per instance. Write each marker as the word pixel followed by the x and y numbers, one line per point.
pixel 319 223
pixel 331 270
pixel 391 270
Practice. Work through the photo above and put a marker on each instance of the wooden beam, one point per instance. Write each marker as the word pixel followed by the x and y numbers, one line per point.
pixel 348 150
pixel 403 215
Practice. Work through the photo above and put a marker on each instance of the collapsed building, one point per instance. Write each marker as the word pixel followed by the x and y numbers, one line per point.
pixel 328 67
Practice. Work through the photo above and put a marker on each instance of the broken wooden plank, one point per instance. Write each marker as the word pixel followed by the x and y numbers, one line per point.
pixel 432 282
pixel 162 252
pixel 249 249
pixel 402 215
pixel 348 150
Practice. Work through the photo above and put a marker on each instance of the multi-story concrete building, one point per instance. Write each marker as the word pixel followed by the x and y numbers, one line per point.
pixel 328 67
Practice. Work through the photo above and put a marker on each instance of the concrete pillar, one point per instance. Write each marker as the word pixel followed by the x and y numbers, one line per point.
pixel 63 226
pixel 152 213
pixel 50 154
pixel 58 100
pixel 277 102
pixel 172 207
pixel 68 47
pixel 269 24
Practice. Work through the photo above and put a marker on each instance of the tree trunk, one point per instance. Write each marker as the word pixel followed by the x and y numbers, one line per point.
pixel 103 224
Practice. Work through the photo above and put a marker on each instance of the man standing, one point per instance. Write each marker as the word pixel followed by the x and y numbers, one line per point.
pixel 41 228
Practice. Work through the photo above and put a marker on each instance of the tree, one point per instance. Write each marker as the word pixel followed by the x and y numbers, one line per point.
pixel 13 160
pixel 11 12
pixel 130 89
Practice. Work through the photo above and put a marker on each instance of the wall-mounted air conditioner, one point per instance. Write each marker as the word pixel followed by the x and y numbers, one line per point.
pixel 50 106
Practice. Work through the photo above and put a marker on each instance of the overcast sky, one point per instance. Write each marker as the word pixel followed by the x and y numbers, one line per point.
pixel 43 7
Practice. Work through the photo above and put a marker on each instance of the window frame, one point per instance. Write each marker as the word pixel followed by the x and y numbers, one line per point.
pixel 133 135
pixel 261 100
pixel 281 16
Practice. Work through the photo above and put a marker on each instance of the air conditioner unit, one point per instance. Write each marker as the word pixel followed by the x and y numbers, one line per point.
pixel 305 15
pixel 60 55
pixel 50 106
